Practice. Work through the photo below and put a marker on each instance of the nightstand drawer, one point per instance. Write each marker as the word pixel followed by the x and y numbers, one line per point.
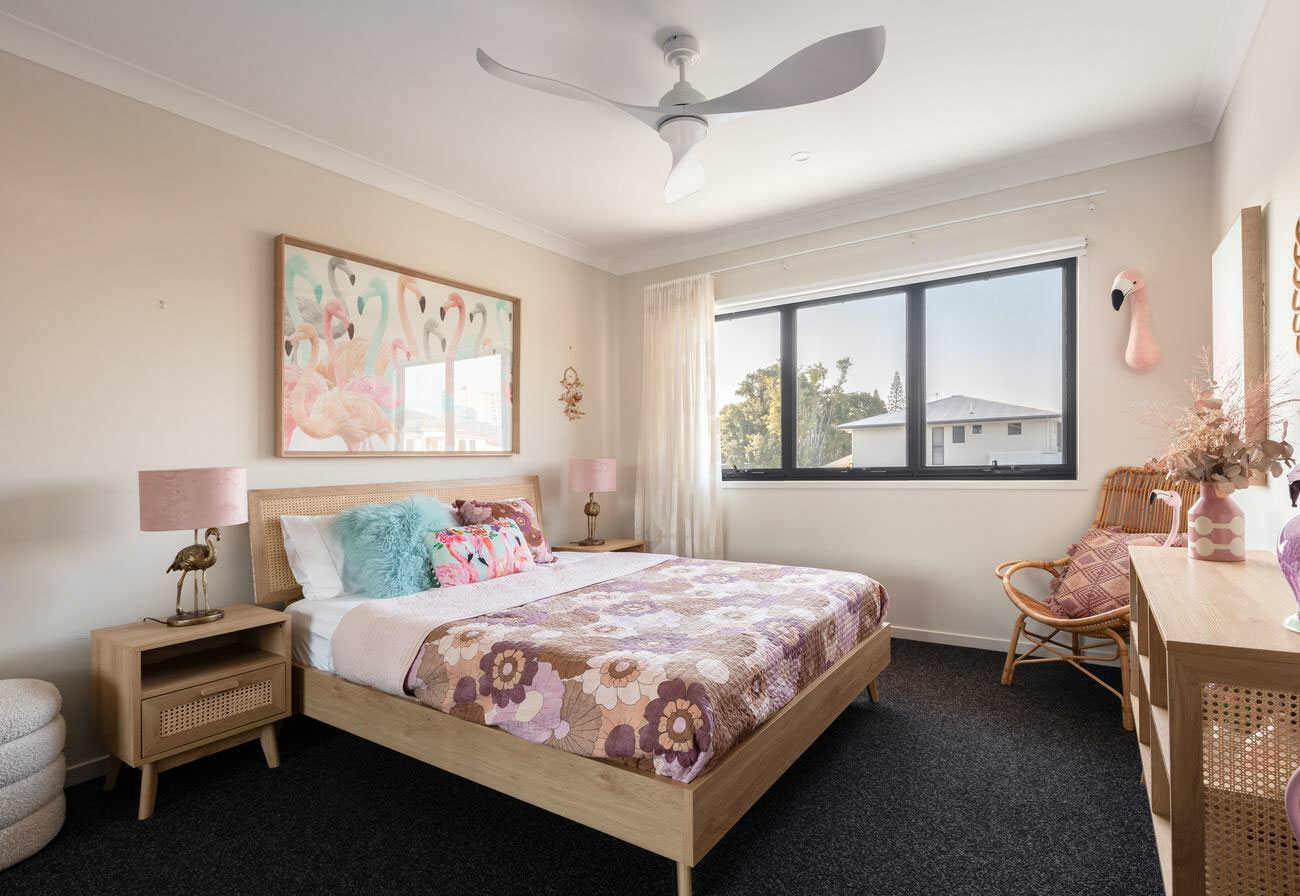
pixel 194 713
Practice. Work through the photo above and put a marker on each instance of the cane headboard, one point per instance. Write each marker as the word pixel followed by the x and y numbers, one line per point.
pixel 273 582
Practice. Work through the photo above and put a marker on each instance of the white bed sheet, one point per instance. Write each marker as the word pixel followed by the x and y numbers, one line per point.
pixel 312 622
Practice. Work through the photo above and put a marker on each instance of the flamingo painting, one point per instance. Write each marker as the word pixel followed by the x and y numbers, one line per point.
pixel 1142 352
pixel 366 365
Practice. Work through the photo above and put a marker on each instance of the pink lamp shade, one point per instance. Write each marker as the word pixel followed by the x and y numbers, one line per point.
pixel 193 499
pixel 593 474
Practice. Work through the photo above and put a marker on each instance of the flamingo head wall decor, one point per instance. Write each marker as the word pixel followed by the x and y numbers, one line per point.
pixel 399 348
pixel 1175 501
pixel 1142 352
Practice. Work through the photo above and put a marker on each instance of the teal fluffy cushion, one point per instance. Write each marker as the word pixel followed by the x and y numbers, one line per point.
pixel 384 554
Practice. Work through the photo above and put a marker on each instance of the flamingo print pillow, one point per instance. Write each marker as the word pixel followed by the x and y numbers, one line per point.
pixel 469 554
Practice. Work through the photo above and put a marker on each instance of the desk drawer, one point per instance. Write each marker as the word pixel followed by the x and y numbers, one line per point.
pixel 208 710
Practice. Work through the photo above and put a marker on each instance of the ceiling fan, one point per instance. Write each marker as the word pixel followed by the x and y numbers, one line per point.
pixel 820 71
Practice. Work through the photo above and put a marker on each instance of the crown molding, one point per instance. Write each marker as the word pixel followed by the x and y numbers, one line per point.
pixel 54 51
pixel 1223 61
pixel 1015 171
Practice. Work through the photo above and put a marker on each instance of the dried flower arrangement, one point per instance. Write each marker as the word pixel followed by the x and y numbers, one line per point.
pixel 1223 437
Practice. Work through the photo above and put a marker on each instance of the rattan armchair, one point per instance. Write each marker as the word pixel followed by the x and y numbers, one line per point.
pixel 1124 504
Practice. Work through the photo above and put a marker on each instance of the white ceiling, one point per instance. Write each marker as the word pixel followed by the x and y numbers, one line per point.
pixel 388 92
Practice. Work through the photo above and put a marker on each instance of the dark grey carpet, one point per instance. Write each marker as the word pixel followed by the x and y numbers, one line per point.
pixel 952 784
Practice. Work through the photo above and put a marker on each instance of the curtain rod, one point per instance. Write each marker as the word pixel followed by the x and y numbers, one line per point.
pixel 911 230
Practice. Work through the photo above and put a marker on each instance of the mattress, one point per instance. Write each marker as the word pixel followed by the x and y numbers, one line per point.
pixel 313 622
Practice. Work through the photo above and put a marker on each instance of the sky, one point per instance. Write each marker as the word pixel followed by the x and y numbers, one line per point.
pixel 998 339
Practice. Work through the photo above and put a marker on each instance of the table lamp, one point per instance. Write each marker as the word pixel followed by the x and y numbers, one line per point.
pixel 591 475
pixel 202 498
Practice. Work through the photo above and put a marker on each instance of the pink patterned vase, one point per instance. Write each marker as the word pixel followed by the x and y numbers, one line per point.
pixel 1216 527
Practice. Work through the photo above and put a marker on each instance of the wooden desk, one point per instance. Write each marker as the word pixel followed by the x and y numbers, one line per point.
pixel 1216 681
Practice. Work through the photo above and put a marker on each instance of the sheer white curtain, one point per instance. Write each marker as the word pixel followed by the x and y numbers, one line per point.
pixel 678 509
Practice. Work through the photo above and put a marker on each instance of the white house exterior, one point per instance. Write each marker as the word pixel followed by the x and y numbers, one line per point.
pixel 961 431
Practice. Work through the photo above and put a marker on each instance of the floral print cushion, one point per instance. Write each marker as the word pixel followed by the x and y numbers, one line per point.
pixel 517 509
pixel 468 554
pixel 663 669
pixel 1096 578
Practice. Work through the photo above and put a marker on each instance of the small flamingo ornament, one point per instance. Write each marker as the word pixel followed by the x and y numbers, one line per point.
pixel 1142 352
pixel 1175 502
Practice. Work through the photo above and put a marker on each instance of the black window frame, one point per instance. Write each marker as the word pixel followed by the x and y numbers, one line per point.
pixel 917 444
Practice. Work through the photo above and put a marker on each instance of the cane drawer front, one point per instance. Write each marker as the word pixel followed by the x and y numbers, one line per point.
pixel 211 709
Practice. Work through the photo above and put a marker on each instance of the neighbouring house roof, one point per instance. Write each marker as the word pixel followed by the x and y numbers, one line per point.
pixel 845 461
pixel 956 409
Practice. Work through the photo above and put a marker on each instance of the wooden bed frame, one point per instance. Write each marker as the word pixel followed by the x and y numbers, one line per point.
pixel 679 821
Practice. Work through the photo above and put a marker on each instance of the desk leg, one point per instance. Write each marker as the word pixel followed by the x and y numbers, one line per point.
pixel 683 879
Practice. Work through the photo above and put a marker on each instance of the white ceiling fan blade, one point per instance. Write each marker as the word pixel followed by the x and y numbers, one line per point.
pixel 686 177
pixel 647 114
pixel 825 69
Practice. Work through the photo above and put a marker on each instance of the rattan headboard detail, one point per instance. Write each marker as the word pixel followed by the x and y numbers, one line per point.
pixel 273 582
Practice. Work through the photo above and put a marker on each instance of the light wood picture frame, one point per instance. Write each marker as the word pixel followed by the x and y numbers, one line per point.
pixel 374 359
pixel 1240 339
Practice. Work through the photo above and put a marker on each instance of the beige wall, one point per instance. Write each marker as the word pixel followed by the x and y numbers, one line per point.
pixel 111 209
pixel 1256 161
pixel 934 545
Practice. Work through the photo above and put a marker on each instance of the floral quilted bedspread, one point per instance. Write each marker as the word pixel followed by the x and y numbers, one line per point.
pixel 664 668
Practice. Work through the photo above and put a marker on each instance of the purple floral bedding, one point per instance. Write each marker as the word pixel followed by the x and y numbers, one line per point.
pixel 666 668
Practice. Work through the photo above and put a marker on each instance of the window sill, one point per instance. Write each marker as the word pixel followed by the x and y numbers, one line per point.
pixel 1004 485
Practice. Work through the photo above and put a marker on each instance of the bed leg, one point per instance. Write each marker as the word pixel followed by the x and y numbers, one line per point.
pixel 873 690
pixel 683 879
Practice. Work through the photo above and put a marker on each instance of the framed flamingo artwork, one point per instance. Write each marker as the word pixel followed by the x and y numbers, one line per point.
pixel 375 359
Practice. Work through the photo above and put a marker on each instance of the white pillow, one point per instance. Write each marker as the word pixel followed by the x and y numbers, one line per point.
pixel 315 555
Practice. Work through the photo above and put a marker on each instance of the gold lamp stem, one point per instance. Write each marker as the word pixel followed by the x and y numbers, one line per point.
pixel 592 510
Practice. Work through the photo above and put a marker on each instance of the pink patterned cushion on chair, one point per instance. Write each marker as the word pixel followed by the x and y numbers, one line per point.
pixel 1096 578
pixel 517 509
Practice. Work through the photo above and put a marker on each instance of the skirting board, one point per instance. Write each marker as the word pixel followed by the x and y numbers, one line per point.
pixel 955 639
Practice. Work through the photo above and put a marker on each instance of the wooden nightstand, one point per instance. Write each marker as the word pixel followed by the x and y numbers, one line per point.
pixel 166 695
pixel 611 544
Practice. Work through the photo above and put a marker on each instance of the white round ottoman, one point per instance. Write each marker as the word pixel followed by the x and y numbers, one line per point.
pixel 31 767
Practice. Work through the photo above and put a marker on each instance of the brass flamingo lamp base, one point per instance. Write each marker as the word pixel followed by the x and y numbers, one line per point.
pixel 592 510
pixel 197 559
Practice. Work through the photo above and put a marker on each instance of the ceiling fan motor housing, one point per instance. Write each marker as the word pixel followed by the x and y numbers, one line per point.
pixel 681 132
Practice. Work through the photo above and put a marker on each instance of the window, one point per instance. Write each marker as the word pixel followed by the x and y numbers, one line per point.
pixel 846 387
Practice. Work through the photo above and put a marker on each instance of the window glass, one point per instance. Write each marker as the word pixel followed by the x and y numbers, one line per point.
pixel 748 383
pixel 852 357
pixel 958 434
pixel 993 352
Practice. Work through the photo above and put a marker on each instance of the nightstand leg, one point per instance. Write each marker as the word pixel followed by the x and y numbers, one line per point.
pixel 873 691
pixel 110 774
pixel 148 789
pixel 269 746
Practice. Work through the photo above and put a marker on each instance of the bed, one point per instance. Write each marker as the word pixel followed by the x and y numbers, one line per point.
pixel 677 807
